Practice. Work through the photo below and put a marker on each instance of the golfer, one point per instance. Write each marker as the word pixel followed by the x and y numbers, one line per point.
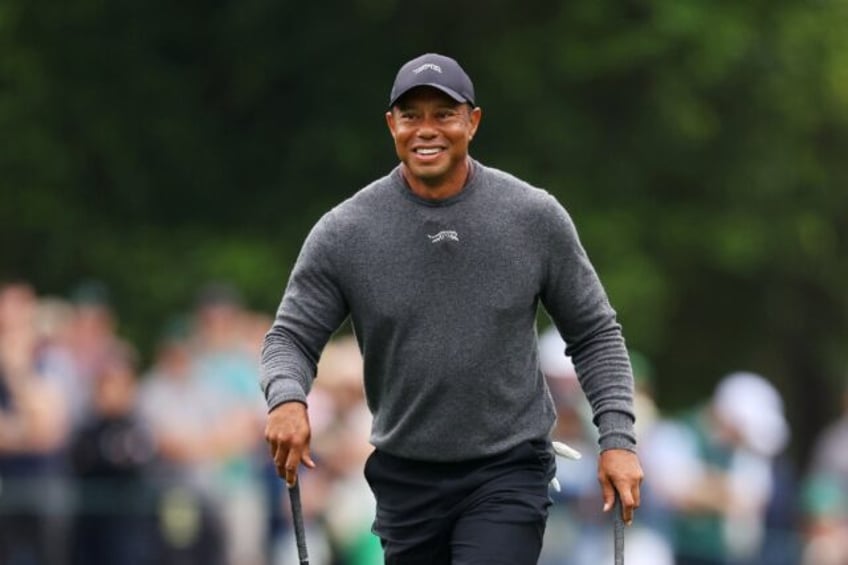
pixel 441 266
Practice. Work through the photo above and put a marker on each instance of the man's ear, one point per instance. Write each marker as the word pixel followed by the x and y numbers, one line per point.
pixel 390 121
pixel 474 116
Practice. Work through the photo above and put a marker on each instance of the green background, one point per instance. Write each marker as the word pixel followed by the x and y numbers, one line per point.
pixel 700 146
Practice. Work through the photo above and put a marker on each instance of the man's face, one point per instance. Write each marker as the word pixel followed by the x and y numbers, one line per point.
pixel 431 133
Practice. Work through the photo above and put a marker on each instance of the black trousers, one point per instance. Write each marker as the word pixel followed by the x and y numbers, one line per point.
pixel 485 511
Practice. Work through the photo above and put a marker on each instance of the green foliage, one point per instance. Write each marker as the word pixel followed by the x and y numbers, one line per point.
pixel 699 146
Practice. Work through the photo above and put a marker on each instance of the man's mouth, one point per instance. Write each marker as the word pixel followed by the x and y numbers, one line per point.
pixel 427 151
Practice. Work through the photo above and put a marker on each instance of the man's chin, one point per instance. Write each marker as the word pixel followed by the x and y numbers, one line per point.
pixel 426 174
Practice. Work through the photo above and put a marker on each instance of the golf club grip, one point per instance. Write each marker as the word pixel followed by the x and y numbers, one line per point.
pixel 618 532
pixel 297 520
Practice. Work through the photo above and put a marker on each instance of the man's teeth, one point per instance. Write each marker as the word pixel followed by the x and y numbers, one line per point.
pixel 427 151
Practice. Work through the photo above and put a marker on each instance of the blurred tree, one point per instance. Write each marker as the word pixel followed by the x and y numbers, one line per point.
pixel 699 145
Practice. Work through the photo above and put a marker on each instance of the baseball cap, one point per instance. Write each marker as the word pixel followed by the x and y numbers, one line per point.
pixel 438 71
pixel 754 407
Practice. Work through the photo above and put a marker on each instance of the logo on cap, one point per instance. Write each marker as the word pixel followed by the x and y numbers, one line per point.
pixel 426 66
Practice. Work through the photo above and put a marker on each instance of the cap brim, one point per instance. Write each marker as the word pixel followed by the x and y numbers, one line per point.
pixel 449 91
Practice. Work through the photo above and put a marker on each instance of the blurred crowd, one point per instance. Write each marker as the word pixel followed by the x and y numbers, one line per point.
pixel 720 488
pixel 108 460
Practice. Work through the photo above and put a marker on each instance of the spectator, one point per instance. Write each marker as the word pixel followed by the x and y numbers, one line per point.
pixel 207 415
pixel 826 495
pixel 184 417
pixel 715 469
pixel 110 456
pixel 220 358
pixel 92 337
pixel 33 421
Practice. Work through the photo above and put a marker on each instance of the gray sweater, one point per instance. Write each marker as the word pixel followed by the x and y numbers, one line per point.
pixel 443 297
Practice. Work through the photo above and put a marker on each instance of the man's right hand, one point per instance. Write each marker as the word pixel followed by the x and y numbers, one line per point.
pixel 288 433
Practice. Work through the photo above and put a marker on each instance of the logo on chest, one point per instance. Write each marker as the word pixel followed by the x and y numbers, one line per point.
pixel 444 235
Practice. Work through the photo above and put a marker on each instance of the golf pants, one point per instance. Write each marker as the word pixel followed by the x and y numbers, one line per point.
pixel 486 511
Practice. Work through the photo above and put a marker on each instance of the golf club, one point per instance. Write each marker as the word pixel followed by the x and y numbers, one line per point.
pixel 618 532
pixel 297 521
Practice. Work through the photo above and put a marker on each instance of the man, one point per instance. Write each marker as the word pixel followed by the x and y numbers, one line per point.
pixel 441 266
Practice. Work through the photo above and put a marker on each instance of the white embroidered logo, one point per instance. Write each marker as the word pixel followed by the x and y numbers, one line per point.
pixel 426 66
pixel 443 235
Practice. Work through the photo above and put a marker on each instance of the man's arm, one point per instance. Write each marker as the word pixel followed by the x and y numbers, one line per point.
pixel 312 308
pixel 577 302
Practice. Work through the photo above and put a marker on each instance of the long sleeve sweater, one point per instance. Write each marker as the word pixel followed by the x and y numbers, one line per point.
pixel 443 298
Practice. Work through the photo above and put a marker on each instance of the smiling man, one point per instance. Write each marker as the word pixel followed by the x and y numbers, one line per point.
pixel 441 266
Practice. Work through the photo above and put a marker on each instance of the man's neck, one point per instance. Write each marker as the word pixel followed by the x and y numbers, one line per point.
pixel 441 189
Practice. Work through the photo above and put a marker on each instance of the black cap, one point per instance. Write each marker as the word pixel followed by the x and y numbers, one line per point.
pixel 437 71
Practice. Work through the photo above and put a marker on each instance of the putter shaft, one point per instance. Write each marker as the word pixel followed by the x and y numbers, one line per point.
pixel 297 521
pixel 618 532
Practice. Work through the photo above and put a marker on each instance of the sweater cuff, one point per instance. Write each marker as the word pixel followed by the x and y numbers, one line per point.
pixel 282 390
pixel 616 431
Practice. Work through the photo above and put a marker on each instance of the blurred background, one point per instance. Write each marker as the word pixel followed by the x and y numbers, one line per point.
pixel 162 162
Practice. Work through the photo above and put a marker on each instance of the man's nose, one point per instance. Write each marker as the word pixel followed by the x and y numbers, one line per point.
pixel 427 130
